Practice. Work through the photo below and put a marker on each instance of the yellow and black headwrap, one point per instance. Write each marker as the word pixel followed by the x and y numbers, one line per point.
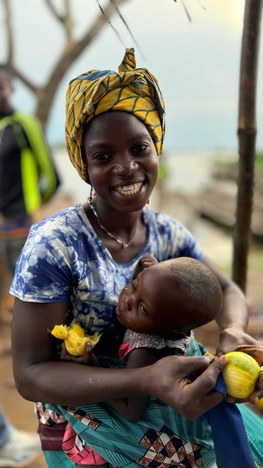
pixel 132 89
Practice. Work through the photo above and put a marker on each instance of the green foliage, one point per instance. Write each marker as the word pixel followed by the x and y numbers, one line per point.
pixel 259 162
pixel 223 163
pixel 162 173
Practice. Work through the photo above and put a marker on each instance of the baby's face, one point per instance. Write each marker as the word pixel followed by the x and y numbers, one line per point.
pixel 145 303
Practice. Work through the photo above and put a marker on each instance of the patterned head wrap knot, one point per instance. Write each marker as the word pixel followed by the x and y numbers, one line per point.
pixel 132 89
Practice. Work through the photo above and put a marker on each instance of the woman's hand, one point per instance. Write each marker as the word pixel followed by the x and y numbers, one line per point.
pixel 233 337
pixel 257 396
pixel 169 380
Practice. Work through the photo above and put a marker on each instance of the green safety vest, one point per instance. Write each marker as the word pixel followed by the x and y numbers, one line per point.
pixel 36 161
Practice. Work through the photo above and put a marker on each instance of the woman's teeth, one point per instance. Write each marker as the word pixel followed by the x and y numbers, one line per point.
pixel 128 190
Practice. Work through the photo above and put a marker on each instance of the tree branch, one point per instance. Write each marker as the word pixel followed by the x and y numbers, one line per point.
pixel 71 51
pixel 64 19
pixel 9 32
pixel 55 13
pixel 127 27
pixel 18 74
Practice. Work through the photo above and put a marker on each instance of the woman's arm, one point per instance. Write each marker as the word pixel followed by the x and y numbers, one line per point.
pixel 233 319
pixel 133 409
pixel 40 377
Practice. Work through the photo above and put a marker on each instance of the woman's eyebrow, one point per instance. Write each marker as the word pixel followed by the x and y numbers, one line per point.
pixel 98 144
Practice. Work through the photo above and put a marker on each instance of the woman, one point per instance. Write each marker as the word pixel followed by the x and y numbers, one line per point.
pixel 75 264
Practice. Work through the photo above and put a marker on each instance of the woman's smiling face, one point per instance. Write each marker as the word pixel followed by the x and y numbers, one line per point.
pixel 122 160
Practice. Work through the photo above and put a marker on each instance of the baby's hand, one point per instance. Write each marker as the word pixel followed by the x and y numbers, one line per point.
pixel 144 262
pixel 88 358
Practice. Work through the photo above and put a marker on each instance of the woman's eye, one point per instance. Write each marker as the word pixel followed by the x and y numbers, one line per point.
pixel 140 148
pixel 101 157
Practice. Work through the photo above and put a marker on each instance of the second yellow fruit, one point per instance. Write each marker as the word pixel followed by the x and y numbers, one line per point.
pixel 240 374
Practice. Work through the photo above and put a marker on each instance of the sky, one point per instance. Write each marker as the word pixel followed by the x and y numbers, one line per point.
pixel 196 62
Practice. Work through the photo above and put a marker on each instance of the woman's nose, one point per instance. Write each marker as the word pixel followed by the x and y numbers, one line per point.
pixel 125 165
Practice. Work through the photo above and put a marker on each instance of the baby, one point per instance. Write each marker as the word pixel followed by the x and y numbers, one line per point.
pixel 159 308
pixel 170 297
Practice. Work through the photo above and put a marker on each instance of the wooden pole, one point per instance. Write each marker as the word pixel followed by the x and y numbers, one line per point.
pixel 246 138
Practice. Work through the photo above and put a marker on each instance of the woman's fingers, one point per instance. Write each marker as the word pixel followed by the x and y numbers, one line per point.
pixel 257 396
pixel 206 381
pixel 255 351
pixel 200 395
pixel 187 383
pixel 187 365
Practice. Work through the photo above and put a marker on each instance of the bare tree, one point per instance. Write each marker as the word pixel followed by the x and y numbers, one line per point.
pixel 246 138
pixel 71 51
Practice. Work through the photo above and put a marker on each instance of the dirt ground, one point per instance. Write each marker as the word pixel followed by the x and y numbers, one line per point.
pixel 21 412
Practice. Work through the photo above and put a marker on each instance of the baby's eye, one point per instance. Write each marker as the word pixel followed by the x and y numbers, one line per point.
pixel 142 309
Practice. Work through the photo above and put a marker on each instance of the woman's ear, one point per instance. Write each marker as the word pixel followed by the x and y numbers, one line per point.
pixel 84 160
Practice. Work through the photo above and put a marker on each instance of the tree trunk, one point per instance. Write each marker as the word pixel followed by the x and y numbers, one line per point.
pixel 246 138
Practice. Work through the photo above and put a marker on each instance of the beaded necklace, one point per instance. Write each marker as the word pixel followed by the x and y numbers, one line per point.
pixel 123 244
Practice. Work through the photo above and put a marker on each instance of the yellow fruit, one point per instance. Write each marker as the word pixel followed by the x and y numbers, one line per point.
pixel 60 331
pixel 240 374
pixel 74 338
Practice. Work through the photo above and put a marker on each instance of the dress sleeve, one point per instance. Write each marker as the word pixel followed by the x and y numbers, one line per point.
pixel 43 272
pixel 172 239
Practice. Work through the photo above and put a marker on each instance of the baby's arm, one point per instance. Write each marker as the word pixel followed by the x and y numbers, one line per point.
pixel 133 409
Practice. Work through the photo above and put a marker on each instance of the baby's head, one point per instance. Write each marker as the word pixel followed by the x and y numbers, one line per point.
pixel 176 295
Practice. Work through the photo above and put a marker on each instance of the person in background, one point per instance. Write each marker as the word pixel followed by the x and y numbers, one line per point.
pixel 28 178
pixel 75 264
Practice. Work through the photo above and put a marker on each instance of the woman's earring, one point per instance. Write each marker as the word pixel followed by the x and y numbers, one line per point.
pixel 91 194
